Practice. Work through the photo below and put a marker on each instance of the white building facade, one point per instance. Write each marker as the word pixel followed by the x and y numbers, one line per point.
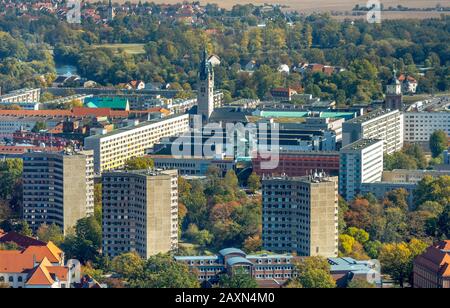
pixel 380 124
pixel 360 162
pixel 111 151
pixel 419 126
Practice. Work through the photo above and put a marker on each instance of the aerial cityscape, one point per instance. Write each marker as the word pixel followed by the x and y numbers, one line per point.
pixel 204 146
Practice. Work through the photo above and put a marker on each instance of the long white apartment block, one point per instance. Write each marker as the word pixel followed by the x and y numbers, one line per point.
pixel 22 96
pixel 112 150
pixel 419 126
pixel 383 124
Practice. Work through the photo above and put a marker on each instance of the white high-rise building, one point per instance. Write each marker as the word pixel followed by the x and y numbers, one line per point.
pixel 360 162
pixel 386 125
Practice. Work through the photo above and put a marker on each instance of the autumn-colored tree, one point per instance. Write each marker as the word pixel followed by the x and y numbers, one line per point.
pixel 314 272
pixel 358 214
pixel 252 243
pixel 254 182
pixel 397 259
pixel 139 163
pixel 128 265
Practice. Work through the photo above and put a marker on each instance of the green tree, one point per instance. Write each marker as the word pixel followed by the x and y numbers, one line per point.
pixel 240 278
pixel 39 126
pixel 438 142
pixel 360 283
pixel 49 233
pixel 162 271
pixel 359 235
pixel 10 177
pixel 98 202
pixel 202 238
pixel 89 229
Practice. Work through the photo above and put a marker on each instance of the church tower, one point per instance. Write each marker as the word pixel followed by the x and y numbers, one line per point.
pixel 205 96
pixel 394 97
pixel 111 12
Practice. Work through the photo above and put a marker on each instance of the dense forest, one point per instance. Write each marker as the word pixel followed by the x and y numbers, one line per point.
pixel 368 52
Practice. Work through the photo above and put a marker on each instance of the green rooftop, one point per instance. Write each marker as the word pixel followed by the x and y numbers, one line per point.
pixel 115 103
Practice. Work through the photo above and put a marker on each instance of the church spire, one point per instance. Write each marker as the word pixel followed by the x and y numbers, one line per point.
pixel 205 66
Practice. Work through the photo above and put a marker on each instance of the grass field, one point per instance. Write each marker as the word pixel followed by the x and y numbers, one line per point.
pixel 132 49
pixel 315 5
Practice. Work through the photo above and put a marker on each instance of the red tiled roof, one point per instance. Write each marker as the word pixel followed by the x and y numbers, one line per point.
pixel 21 240
pixel 12 261
pixel 444 245
pixel 436 260
pixel 75 112
pixel 42 252
pixel 40 275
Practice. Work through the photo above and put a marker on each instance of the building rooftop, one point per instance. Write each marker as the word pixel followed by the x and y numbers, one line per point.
pixel 304 114
pixel 227 251
pixel 361 144
pixel 349 264
pixel 317 177
pixel 128 128
pixel 115 103
pixel 371 115
pixel 144 172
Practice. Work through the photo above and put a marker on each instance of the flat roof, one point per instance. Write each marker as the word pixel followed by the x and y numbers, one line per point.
pixel 128 128
pixel 304 114
pixel 371 115
pixel 361 144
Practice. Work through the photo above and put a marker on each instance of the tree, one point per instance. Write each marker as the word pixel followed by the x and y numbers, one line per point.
pixel 359 235
pixel 360 283
pixel 202 238
pixel 254 182
pixel 314 272
pixel 372 248
pixel 89 229
pixel 438 142
pixel 139 163
pixel 10 175
pixel 253 243
pixel 47 233
pixel 346 243
pixel 5 210
pixel 433 189
pixel 39 126
pixel 240 278
pixel 343 208
pixel 9 246
pixel 98 202
pixel 128 265
pixel 397 259
pixel 162 271
pixel 85 244
pixel 440 226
